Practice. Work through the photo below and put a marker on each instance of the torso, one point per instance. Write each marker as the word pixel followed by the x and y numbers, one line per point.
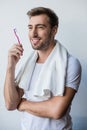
pixel 31 122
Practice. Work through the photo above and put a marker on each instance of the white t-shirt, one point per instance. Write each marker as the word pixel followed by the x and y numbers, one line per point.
pixel 32 122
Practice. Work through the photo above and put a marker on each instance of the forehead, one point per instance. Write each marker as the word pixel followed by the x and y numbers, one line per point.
pixel 39 19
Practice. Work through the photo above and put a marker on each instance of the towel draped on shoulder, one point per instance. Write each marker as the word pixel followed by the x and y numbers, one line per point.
pixel 51 80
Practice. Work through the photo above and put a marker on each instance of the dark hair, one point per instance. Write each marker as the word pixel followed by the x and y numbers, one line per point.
pixel 53 18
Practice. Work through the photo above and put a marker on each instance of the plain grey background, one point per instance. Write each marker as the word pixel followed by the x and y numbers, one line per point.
pixel 72 34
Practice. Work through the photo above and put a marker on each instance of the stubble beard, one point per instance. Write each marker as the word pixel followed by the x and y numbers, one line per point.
pixel 44 45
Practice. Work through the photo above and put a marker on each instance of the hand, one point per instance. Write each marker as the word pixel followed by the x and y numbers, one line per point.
pixel 14 54
pixel 21 105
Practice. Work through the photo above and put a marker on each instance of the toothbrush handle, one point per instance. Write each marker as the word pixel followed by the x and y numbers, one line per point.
pixel 17 36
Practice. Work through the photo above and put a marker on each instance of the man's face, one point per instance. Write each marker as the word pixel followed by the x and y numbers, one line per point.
pixel 40 32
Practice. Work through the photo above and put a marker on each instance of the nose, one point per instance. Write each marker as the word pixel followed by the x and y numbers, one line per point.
pixel 34 32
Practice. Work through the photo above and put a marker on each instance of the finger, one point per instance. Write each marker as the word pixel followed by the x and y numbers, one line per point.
pixel 14 54
pixel 20 47
pixel 16 50
pixel 17 46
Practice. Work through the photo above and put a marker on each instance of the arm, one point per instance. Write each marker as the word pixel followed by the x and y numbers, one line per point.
pixel 55 107
pixel 12 93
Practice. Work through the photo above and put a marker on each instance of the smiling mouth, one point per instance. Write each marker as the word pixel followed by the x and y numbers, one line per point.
pixel 35 40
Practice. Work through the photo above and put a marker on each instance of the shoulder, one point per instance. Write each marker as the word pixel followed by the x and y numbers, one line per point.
pixel 73 75
pixel 73 63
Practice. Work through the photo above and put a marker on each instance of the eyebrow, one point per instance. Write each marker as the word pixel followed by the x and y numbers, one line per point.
pixel 38 25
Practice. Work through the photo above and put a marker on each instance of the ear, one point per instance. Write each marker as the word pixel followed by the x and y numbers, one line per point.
pixel 54 30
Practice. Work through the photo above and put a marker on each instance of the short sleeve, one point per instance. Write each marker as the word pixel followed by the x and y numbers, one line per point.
pixel 73 74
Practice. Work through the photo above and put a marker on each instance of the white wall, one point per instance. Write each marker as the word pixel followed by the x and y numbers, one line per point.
pixel 72 34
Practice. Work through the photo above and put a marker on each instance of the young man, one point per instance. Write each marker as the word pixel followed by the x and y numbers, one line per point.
pixel 46 85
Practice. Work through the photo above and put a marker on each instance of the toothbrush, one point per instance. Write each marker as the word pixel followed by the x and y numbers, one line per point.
pixel 16 35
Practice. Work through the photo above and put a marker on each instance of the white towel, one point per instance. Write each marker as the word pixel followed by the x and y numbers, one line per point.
pixel 51 80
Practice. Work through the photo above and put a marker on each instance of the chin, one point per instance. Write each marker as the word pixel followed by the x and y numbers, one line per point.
pixel 34 47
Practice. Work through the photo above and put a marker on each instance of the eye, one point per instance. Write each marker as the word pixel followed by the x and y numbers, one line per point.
pixel 30 27
pixel 40 26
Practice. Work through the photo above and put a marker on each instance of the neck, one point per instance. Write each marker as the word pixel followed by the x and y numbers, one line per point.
pixel 43 54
